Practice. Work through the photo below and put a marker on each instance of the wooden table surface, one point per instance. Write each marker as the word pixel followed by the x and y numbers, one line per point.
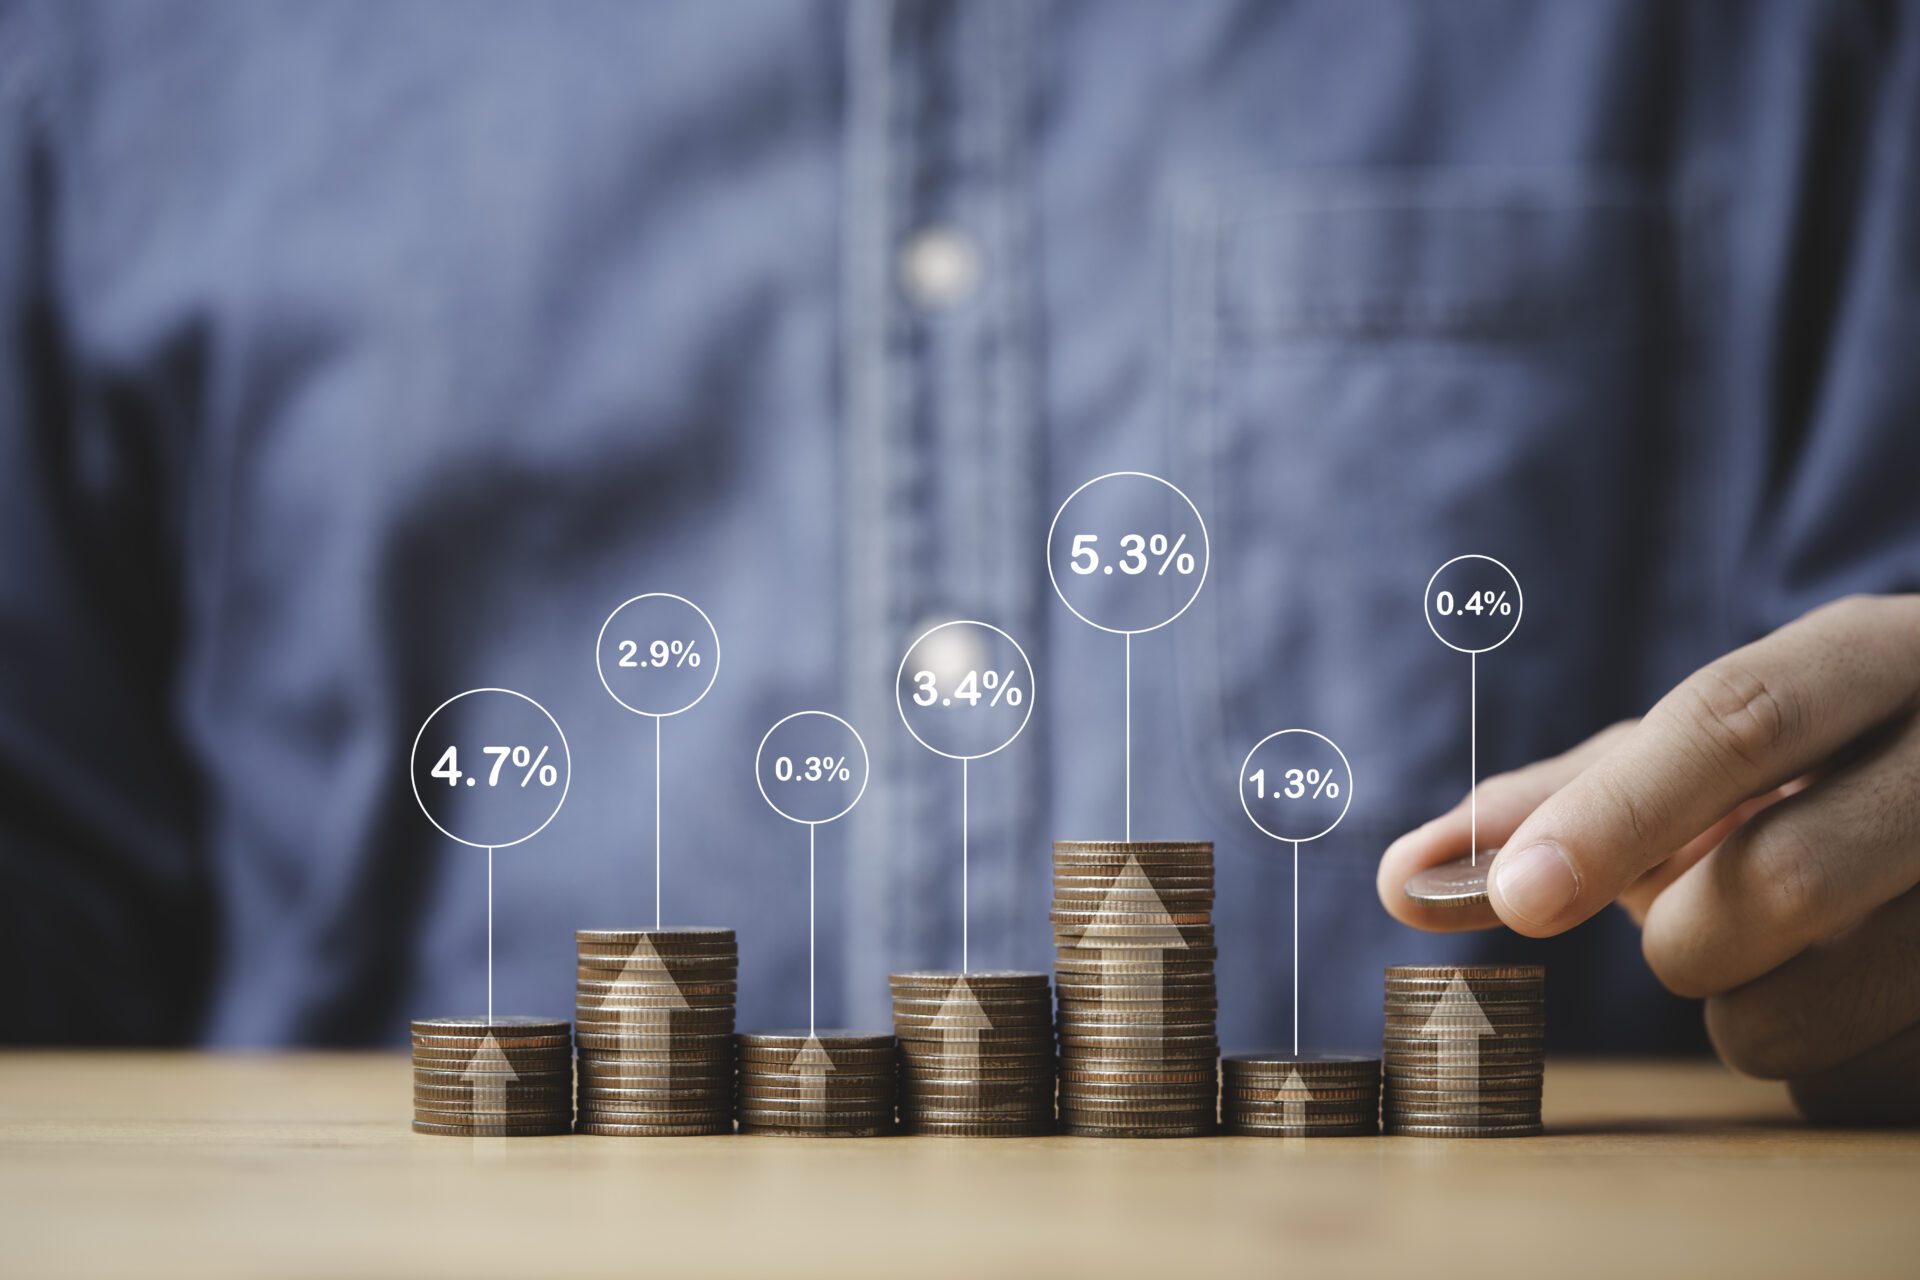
pixel 203 1165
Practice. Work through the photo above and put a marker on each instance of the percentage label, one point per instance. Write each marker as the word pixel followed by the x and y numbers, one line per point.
pixel 811 767
pixel 661 653
pixel 522 757
pixel 658 654
pixel 1139 553
pixel 1296 785
pixel 962 689
pixel 974 685
pixel 490 767
pixel 1127 552
pixel 1477 603
pixel 1473 603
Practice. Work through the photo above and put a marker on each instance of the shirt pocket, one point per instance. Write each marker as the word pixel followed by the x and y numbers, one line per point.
pixel 1374 373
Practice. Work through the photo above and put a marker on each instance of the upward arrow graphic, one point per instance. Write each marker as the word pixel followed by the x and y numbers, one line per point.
pixel 487 1076
pixel 1294 1110
pixel 645 969
pixel 811 1066
pixel 1457 1024
pixel 1132 893
pixel 962 1020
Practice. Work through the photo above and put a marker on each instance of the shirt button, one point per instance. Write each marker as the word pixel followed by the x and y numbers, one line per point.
pixel 939 267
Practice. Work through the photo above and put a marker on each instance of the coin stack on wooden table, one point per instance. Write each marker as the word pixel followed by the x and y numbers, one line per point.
pixel 1465 1050
pixel 655 1013
pixel 976 1053
pixel 505 1077
pixel 817 1084
pixel 1312 1095
pixel 1135 950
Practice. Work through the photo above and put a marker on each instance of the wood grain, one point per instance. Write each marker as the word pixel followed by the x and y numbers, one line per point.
pixel 206 1166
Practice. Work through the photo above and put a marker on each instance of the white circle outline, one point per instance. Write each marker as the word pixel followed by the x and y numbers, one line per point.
pixel 600 669
pixel 1206 547
pixel 866 768
pixel 901 707
pixel 413 773
pixel 1519 604
pixel 1248 809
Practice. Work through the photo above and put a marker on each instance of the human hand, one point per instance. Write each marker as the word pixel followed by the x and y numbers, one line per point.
pixel 1762 824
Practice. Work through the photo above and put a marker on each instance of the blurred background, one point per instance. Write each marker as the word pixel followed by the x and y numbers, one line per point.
pixel 356 354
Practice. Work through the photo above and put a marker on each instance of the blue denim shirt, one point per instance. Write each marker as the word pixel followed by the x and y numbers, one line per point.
pixel 360 353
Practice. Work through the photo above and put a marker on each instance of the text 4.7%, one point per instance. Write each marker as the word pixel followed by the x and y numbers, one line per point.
pixel 531 766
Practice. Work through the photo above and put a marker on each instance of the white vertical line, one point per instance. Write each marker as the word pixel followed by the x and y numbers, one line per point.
pixel 1473 759
pixel 1129 736
pixel 963 868
pixel 657 911
pixel 489 934
pixel 811 828
pixel 1296 948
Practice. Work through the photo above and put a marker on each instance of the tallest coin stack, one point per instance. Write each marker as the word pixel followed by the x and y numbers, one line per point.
pixel 1133 932
pixel 655 1011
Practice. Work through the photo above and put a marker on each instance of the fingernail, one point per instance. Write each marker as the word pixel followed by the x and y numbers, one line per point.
pixel 1537 884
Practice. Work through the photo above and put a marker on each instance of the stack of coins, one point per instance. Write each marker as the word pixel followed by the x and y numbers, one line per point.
pixel 817 1084
pixel 1133 932
pixel 1465 1050
pixel 1313 1095
pixel 492 1077
pixel 655 1008
pixel 976 1053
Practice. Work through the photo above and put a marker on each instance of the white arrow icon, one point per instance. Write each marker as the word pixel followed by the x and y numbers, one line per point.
pixel 962 1020
pixel 811 1067
pixel 487 1075
pixel 1132 893
pixel 1293 1111
pixel 1457 1023
pixel 644 968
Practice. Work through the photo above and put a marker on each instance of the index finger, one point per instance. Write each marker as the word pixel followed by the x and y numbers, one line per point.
pixel 1735 729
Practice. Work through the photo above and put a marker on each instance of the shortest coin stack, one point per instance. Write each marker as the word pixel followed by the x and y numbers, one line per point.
pixel 492 1077
pixel 1311 1095
pixel 824 1084
pixel 976 1053
pixel 1465 1050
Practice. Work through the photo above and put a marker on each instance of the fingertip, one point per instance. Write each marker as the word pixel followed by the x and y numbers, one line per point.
pixel 1534 889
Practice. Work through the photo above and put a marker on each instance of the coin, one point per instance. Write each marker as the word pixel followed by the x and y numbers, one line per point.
pixel 1465 1131
pixel 1135 951
pixel 1460 883
pixel 1472 972
pixel 641 1074
pixel 545 1095
pixel 1085 1073
pixel 1195 1129
pixel 544 1129
pixel 425 1077
pixel 977 980
pixel 831 1131
pixel 976 1049
pixel 1136 848
pixel 1251 1128
pixel 501 1026
pixel 660 939
pixel 1464 1049
pixel 473 1044
pixel 617 1129
pixel 982 1128
pixel 654 1010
